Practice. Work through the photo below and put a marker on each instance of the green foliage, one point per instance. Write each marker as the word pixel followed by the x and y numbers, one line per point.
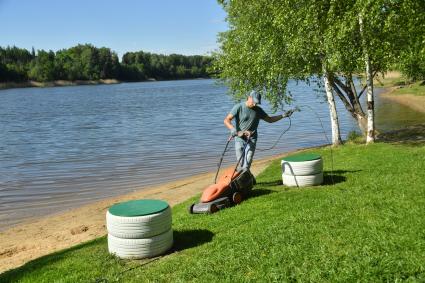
pixel 412 62
pixel 87 62
pixel 412 58
pixel 270 42
pixel 14 64
pixel 365 223
pixel 141 64
pixel 42 68
pixel 355 137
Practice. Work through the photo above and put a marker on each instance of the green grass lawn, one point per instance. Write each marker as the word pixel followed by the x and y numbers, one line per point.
pixel 366 223
pixel 417 89
pixel 405 87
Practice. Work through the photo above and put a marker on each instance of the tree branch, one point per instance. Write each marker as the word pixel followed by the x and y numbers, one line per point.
pixel 341 85
pixel 365 87
pixel 343 99
pixel 348 92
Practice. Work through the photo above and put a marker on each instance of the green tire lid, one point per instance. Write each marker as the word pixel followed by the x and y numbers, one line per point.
pixel 302 157
pixel 140 207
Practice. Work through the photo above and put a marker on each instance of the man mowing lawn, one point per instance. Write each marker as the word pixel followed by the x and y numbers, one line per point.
pixel 247 115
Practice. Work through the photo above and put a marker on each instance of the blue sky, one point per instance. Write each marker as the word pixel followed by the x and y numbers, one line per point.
pixel 160 26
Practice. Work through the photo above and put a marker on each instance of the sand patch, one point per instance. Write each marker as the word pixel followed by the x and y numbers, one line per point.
pixel 414 102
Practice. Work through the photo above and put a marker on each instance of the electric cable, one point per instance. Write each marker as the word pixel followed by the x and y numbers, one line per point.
pixel 327 139
pixel 278 139
pixel 283 132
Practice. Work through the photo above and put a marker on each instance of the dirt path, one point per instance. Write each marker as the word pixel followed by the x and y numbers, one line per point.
pixel 43 236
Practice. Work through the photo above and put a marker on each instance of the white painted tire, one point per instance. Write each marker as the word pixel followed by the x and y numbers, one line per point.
pixel 302 168
pixel 139 227
pixel 140 248
pixel 302 181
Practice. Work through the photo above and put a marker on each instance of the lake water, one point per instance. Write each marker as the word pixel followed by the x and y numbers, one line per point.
pixel 66 146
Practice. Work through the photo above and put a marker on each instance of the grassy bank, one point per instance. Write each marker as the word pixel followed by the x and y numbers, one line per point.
pixel 366 223
pixel 399 85
pixel 416 89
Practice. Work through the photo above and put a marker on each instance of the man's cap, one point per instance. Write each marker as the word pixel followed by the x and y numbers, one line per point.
pixel 256 97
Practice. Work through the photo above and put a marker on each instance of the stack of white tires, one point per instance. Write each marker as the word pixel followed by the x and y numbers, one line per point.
pixel 302 170
pixel 139 229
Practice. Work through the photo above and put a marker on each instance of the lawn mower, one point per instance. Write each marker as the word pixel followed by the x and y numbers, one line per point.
pixel 232 187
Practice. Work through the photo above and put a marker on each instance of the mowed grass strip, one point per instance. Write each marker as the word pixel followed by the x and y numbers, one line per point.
pixel 416 89
pixel 402 84
pixel 366 223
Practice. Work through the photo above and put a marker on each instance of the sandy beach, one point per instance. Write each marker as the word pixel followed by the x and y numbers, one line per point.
pixel 416 103
pixel 41 236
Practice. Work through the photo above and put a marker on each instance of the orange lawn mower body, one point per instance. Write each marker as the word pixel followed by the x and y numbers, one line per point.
pixel 231 188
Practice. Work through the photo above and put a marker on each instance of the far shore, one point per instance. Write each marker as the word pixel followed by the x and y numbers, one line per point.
pixel 9 85
pixel 59 83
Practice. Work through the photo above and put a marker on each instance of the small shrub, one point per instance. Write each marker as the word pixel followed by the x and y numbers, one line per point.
pixel 355 137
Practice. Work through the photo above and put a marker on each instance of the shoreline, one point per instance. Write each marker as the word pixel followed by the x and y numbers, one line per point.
pixel 44 235
pixel 57 83
pixel 416 103
pixel 63 83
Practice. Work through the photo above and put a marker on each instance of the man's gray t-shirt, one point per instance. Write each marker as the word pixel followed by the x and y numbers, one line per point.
pixel 247 119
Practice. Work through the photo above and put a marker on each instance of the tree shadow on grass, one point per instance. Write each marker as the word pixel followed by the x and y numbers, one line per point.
pixel 271 183
pixel 329 178
pixel 258 192
pixel 336 176
pixel 332 179
pixel 187 239
pixel 411 136
pixel 17 273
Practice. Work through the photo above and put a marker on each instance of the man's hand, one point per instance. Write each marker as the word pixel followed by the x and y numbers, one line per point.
pixel 233 132
pixel 244 134
pixel 288 113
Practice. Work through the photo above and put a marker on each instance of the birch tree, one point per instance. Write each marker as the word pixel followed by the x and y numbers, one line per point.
pixel 370 133
pixel 387 29
pixel 270 42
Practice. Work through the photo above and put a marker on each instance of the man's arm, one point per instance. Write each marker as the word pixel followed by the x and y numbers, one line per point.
pixel 272 119
pixel 233 131
pixel 228 123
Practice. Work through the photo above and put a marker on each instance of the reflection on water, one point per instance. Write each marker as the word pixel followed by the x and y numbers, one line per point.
pixel 65 146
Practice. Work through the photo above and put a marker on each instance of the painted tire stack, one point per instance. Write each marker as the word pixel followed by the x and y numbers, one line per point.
pixel 139 228
pixel 302 170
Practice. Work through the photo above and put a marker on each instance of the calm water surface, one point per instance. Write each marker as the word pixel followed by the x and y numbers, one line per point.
pixel 65 146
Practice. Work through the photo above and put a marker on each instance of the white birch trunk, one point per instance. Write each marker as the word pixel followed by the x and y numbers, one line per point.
pixel 370 138
pixel 370 133
pixel 336 136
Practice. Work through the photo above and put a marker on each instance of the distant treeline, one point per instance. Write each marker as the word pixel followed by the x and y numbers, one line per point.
pixel 87 62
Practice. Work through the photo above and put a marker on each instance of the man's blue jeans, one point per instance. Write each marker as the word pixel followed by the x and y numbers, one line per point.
pixel 248 153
